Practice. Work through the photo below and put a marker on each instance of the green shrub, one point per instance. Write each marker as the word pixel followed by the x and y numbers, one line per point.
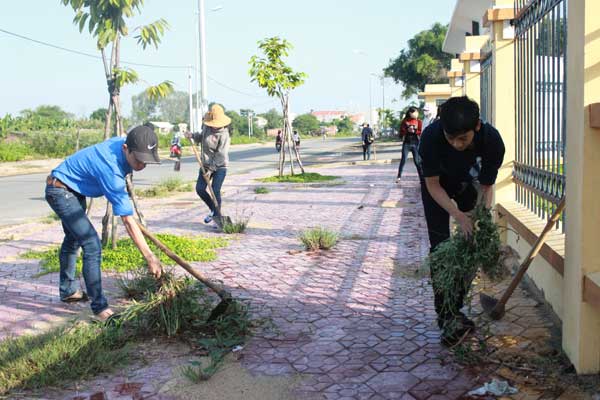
pixel 307 177
pixel 241 139
pixel 318 239
pixel 126 256
pixel 14 151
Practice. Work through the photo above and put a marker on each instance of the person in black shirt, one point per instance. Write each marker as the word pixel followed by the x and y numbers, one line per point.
pixel 460 156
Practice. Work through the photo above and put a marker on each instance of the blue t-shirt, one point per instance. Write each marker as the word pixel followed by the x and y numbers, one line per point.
pixel 99 170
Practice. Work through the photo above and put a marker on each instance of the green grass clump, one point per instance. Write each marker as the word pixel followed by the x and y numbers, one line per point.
pixel 67 353
pixel 318 239
pixel 170 306
pixel 126 256
pixel 165 188
pixel 261 190
pixel 307 177
pixel 235 226
pixel 455 261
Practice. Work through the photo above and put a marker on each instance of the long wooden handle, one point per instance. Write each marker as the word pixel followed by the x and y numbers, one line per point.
pixel 206 177
pixel 184 264
pixel 534 251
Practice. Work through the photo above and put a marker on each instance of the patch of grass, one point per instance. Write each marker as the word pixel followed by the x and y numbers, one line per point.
pixel 226 332
pixel 307 177
pixel 174 307
pixel 165 188
pixel 52 217
pixel 236 225
pixel 241 139
pixel 76 352
pixel 261 190
pixel 318 239
pixel 126 256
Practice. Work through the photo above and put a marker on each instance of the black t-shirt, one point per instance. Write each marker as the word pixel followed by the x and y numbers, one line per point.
pixel 482 159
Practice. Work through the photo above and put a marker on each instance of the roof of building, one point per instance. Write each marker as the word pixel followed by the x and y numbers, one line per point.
pixel 461 24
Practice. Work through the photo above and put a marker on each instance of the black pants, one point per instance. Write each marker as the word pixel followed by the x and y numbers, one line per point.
pixel 412 147
pixel 438 229
pixel 366 151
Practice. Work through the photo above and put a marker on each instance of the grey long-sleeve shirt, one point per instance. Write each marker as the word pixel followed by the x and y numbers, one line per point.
pixel 215 147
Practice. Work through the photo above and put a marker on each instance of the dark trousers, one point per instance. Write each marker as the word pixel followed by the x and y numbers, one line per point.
pixel 411 147
pixel 79 233
pixel 217 178
pixel 366 151
pixel 438 229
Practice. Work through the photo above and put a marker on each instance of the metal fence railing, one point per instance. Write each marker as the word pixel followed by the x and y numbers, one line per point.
pixel 540 100
pixel 486 88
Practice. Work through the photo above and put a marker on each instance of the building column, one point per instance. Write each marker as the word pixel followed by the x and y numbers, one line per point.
pixel 503 91
pixel 456 77
pixel 471 65
pixel 581 322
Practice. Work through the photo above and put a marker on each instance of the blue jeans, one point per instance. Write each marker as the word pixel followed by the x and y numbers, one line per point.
pixel 411 147
pixel 217 178
pixel 79 232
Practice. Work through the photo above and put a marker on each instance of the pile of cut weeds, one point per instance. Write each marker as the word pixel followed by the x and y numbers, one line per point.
pixel 171 307
pixel 536 366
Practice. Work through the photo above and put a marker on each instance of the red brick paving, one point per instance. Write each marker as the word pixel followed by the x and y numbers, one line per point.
pixel 348 320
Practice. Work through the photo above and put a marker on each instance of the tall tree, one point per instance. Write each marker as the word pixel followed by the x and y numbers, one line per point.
pixel 99 114
pixel 106 21
pixel 306 123
pixel 274 119
pixel 422 62
pixel 270 72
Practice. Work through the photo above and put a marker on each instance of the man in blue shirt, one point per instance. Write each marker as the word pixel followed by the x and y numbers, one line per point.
pixel 95 171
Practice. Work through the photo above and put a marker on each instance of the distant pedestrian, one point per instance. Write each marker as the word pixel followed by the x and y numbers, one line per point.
pixel 278 141
pixel 215 157
pixel 410 132
pixel 296 138
pixel 368 138
pixel 428 117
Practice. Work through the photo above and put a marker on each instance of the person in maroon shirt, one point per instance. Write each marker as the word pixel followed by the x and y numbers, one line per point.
pixel 410 132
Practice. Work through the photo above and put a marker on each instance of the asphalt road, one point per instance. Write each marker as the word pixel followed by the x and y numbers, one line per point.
pixel 22 196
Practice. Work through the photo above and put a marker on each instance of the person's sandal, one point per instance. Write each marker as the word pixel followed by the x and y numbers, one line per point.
pixel 77 296
pixel 105 315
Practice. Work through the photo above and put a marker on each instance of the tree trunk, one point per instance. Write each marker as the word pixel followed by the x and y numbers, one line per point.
pixel 113 234
pixel 131 190
pixel 78 139
pixel 89 207
pixel 105 223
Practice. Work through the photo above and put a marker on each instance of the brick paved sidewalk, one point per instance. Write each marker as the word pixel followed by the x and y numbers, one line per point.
pixel 355 322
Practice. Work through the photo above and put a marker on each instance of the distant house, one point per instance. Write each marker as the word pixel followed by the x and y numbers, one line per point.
pixel 329 116
pixel 358 118
pixel 260 122
pixel 162 127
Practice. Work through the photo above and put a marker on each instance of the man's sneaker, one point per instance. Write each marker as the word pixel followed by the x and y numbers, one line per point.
pixel 208 219
pixel 455 330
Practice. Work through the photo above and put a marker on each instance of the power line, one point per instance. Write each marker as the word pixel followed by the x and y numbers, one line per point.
pixel 81 53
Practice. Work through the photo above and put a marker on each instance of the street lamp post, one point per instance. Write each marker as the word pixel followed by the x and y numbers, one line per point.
pixel 203 83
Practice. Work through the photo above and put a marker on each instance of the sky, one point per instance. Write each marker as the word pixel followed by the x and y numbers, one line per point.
pixel 339 44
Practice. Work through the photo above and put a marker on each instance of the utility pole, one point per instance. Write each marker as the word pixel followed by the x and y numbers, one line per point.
pixel 202 34
pixel 197 115
pixel 370 104
pixel 383 104
pixel 191 105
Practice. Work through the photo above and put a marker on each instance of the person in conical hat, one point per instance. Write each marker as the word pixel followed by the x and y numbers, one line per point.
pixel 215 156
